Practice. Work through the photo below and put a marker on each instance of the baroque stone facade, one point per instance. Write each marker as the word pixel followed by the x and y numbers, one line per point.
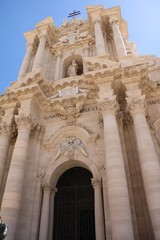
pixel 84 99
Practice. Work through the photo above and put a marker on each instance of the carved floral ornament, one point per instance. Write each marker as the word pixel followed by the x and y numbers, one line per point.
pixel 136 104
pixel 48 188
pixel 5 128
pixel 109 104
pixel 71 144
pixel 27 121
pixel 96 182
pixel 9 129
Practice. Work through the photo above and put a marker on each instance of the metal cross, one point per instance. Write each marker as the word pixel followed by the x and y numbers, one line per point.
pixel 74 13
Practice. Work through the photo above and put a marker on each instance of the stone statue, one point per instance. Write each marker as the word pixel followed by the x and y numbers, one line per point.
pixel 72 69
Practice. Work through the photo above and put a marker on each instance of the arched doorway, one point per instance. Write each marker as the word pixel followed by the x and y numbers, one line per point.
pixel 74 206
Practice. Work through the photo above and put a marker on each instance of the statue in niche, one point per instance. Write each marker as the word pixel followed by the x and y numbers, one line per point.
pixel 72 69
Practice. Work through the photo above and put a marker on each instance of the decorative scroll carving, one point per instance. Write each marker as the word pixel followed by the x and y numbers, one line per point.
pixel 41 173
pixel 136 104
pixel 70 145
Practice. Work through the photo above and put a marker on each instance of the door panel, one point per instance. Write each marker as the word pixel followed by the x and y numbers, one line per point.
pixel 74 207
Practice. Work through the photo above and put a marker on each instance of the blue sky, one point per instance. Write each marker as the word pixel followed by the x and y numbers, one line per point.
pixel 19 16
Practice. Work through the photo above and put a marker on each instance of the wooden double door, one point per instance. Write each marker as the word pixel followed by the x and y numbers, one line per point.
pixel 74 206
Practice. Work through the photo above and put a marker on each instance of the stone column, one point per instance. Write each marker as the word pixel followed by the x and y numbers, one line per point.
pixel 40 52
pixel 98 207
pixel 58 66
pixel 4 144
pixel 44 224
pixel 51 215
pixel 150 166
pixel 26 61
pixel 100 45
pixel 118 39
pixel 11 202
pixel 118 197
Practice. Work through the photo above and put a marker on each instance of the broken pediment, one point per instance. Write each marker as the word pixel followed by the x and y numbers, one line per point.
pixel 100 63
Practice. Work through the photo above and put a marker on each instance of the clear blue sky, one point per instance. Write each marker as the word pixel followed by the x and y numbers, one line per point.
pixel 19 16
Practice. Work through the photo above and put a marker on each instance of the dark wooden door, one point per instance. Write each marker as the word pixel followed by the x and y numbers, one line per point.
pixel 74 206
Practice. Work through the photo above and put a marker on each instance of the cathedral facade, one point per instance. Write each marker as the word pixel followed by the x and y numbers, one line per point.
pixel 80 135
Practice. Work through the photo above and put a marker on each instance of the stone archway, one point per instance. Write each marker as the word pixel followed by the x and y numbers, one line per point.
pixel 74 206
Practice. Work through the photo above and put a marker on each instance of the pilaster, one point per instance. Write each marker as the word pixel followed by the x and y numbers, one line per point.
pixel 12 197
pixel 99 215
pixel 44 224
pixel 148 160
pixel 118 197
pixel 118 38
pixel 99 39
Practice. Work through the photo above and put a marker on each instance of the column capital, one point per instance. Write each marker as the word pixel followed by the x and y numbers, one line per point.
pixel 42 35
pixel 96 183
pixel 5 128
pixel 96 19
pixel 47 188
pixel 109 105
pixel 113 20
pixel 136 105
pixel 58 53
pixel 27 121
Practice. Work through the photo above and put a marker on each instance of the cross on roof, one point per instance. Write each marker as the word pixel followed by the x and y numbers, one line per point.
pixel 74 13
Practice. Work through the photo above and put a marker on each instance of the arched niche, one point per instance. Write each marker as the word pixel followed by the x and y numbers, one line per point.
pixel 56 167
pixel 68 61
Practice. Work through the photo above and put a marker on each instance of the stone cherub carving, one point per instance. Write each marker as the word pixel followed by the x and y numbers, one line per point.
pixel 72 69
pixel 70 145
pixel 69 109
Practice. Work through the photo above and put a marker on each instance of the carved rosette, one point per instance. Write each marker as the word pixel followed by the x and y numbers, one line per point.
pixel 96 183
pixel 136 105
pixel 109 105
pixel 25 121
